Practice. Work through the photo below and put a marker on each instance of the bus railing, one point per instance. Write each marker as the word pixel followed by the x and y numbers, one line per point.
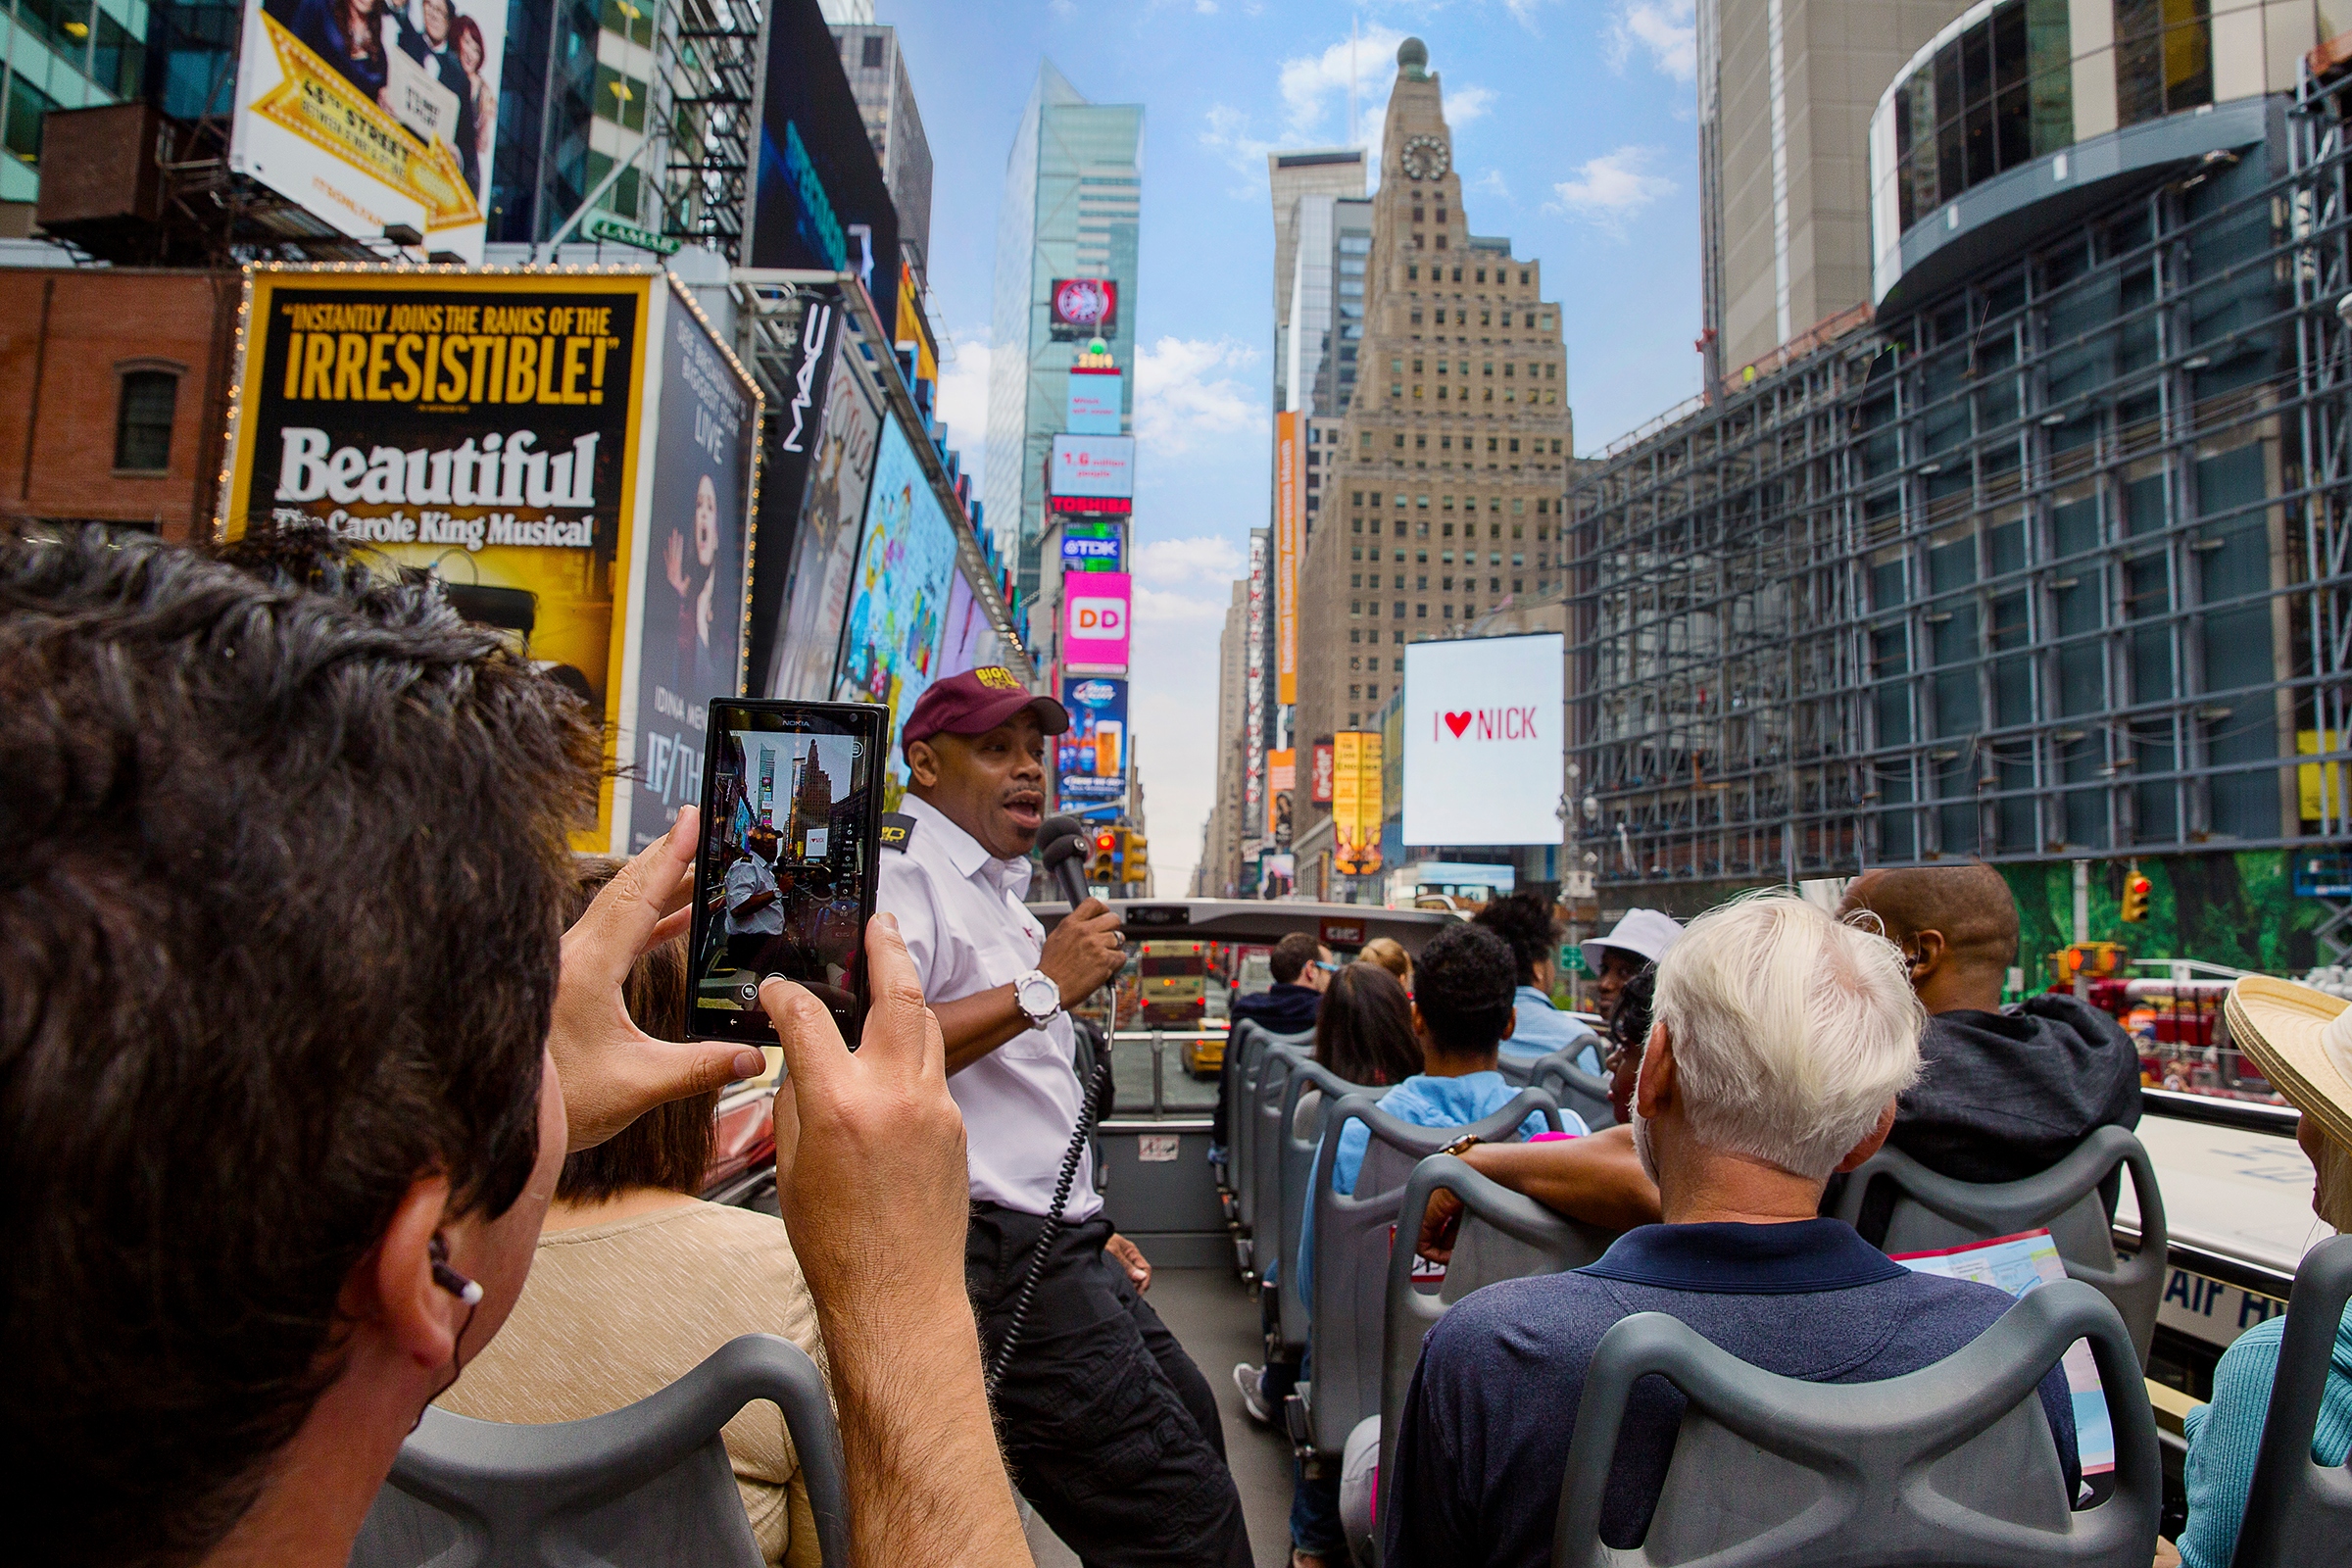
pixel 1163 1076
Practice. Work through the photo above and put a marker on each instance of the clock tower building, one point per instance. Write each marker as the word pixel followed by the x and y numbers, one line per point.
pixel 1446 501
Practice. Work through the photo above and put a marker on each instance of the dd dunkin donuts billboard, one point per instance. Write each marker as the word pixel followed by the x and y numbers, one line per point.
pixel 570 453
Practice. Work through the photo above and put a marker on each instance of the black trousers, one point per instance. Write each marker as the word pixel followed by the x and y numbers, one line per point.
pixel 1112 1432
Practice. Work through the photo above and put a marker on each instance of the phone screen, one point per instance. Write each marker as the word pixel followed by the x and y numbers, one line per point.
pixel 784 877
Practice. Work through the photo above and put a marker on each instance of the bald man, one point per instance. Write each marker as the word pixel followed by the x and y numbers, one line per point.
pixel 2006 1092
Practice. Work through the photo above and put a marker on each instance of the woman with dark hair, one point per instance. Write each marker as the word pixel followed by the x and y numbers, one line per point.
pixel 637 1280
pixel 1365 1031
pixel 1629 1037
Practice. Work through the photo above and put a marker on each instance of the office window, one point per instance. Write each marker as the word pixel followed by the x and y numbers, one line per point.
pixel 2163 58
pixel 1996 96
pixel 21 134
pixel 873 52
pixel 143 421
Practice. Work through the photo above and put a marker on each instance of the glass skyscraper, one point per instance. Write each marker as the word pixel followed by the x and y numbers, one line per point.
pixel 1073 188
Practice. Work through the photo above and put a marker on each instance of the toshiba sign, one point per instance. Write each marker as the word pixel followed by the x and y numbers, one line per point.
pixel 1483 741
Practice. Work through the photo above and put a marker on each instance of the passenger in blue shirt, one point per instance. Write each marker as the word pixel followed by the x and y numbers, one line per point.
pixel 1525 921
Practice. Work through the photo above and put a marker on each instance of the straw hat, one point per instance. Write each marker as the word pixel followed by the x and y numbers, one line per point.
pixel 2302 1041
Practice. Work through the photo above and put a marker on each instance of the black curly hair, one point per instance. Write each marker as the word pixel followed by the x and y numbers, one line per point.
pixel 1462 986
pixel 1525 921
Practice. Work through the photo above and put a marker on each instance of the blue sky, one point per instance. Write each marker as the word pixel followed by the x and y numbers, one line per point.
pixel 1574 132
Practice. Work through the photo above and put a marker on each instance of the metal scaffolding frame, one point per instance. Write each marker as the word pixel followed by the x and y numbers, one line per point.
pixel 707 59
pixel 2052 565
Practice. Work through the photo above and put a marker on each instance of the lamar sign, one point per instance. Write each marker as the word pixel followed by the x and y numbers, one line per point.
pixel 1483 758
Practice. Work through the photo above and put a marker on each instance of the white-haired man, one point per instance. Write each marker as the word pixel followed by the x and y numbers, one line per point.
pixel 1782 1039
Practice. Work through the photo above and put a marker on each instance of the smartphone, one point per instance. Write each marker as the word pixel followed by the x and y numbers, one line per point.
pixel 784 877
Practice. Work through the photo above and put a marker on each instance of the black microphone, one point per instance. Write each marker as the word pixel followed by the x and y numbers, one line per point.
pixel 1062 849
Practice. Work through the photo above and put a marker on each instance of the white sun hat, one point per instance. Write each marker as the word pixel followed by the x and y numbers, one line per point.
pixel 1648 934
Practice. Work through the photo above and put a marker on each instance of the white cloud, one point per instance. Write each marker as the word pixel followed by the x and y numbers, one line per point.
pixel 1228 136
pixel 964 398
pixel 1610 188
pixel 1312 85
pixel 1491 183
pixel 1466 104
pixel 1204 558
pixel 1184 394
pixel 1155 608
pixel 1666 30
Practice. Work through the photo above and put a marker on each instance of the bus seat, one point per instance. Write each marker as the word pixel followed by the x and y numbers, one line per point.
pixel 647 1483
pixel 1360 1492
pixel 1236 1078
pixel 1575 1089
pixel 1352 1248
pixel 1503 1235
pixel 2298 1512
pixel 1243 1144
pixel 1284 1204
pixel 1952 1465
pixel 1932 1212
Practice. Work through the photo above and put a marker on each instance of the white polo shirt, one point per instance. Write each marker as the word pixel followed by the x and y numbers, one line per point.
pixel 960 909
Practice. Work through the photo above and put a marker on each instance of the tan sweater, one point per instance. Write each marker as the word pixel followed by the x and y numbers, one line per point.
pixel 613 1312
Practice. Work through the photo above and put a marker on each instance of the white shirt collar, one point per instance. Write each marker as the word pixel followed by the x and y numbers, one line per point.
pixel 966 854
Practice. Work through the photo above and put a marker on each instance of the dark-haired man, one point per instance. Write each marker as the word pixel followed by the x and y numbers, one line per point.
pixel 275 1144
pixel 1112 1429
pixel 2003 1093
pixel 1301 971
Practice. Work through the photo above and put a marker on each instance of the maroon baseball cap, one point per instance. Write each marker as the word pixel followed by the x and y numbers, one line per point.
pixel 975 702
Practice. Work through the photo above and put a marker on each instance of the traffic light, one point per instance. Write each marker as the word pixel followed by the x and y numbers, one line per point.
pixel 2137 889
pixel 1138 857
pixel 1106 865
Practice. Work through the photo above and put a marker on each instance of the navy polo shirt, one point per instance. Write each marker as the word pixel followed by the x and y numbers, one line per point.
pixel 1484 1438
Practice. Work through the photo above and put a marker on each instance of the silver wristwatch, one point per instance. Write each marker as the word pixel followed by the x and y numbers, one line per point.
pixel 1039 998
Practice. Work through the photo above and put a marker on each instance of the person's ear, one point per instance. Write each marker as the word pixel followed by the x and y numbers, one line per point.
pixel 922 764
pixel 1654 1085
pixel 1870 1145
pixel 1510 1024
pixel 1933 953
pixel 393 1289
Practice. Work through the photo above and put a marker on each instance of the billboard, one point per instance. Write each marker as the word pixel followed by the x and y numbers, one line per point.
pixel 971 639
pixel 503 431
pixel 1355 801
pixel 1094 621
pixel 1287 545
pixel 1080 308
pixel 1091 547
pixel 905 561
pixel 1091 765
pixel 367 115
pixel 1253 696
pixel 1092 473
pixel 692 617
pixel 830 428
pixel 1483 741
pixel 1318 772
pixel 1094 401
pixel 817 198
pixel 1282 779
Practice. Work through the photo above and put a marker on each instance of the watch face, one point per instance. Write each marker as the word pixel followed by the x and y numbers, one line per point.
pixel 1424 158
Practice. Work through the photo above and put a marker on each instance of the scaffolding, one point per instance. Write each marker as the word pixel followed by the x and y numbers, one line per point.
pixel 2052 565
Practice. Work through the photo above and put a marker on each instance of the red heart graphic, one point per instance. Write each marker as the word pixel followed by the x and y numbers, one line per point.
pixel 1457 723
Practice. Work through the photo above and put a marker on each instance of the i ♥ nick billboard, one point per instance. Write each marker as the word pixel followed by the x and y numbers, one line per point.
pixel 1483 741
pixel 1095 609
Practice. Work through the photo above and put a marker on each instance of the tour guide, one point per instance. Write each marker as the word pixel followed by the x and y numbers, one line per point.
pixel 1112 1432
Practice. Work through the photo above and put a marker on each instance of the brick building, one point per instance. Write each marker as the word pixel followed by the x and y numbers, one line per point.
pixel 113 394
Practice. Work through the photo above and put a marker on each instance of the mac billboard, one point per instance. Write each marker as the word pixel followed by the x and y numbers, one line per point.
pixel 1483 756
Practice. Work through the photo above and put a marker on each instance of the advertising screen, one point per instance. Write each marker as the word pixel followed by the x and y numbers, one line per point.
pixel 1355 801
pixel 1091 547
pixel 690 628
pixel 972 640
pixel 1282 780
pixel 366 115
pixel 1094 621
pixel 1094 405
pixel 818 199
pixel 841 445
pixel 1092 467
pixel 1092 766
pixel 1083 308
pixel 906 562
pixel 480 426
pixel 1288 542
pixel 1483 756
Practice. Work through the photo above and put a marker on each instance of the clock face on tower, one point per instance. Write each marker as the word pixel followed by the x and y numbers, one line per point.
pixel 1424 158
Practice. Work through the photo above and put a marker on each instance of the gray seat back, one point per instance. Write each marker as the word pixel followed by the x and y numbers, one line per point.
pixel 1289 1172
pixel 645 1484
pixel 1951 1465
pixel 1263 1217
pixel 1351 1248
pixel 2298 1512
pixel 1932 1212
pixel 1236 1081
pixel 1503 1235
pixel 1575 1089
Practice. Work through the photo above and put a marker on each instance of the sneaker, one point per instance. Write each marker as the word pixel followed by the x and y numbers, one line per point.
pixel 1248 1379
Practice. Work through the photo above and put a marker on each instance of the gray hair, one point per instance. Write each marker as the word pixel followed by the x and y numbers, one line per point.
pixel 1791 1031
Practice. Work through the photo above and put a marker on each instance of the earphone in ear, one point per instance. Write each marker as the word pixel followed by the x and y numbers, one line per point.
pixel 449 1279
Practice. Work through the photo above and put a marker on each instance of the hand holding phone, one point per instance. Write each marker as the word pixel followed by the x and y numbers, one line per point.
pixel 786 870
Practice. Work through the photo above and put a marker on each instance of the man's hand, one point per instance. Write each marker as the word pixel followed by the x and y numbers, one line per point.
pixel 1130 1257
pixel 613 1072
pixel 1084 950
pixel 1441 1223
pixel 870 1175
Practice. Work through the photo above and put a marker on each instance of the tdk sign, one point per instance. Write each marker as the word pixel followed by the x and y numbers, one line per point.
pixel 1089 551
